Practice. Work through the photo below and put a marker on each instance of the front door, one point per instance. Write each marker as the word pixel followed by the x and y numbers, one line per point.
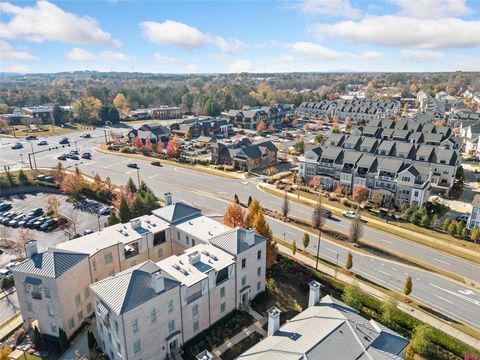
pixel 244 298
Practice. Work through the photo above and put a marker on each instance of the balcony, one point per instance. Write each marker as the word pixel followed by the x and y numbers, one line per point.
pixel 384 177
pixel 131 250
pixel 328 164
pixel 37 295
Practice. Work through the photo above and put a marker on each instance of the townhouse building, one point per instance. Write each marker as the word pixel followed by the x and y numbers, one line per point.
pixel 40 114
pixel 249 117
pixel 247 156
pixel 403 164
pixel 175 256
pixel 354 109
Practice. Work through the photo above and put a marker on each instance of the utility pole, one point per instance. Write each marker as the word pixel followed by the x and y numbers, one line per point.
pixel 138 176
pixel 98 220
pixel 105 133
pixel 33 154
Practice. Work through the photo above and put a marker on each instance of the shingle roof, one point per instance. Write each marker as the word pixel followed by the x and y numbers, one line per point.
pixel 51 263
pixel 233 241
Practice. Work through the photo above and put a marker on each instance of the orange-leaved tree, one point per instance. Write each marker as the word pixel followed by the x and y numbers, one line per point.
pixel 234 216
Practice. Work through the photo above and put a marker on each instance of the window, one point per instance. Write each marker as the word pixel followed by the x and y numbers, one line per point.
pixel 50 310
pixel 116 326
pixel 159 238
pixel 259 271
pixel 89 308
pixel 170 306
pixel 195 310
pixel 108 258
pixel 244 263
pixel 101 327
pixel 47 292
pixel 119 348
pixel 195 326
pixel 29 306
pixel 86 292
pixel 187 240
pixel 222 292
pixel 53 327
pixel 26 288
pixel 80 316
pixel 77 299
pixel 259 285
pixel 94 265
pixel 153 315
pixel 71 324
pixel 244 280
pixel 178 235
pixel 134 325
pixel 222 308
pixel 171 326
pixel 136 347
pixel 109 337
pixel 259 254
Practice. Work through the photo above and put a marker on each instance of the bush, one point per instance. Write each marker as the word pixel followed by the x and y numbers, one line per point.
pixel 220 167
pixel 345 202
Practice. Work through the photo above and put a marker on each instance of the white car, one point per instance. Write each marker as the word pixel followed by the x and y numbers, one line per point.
pixel 350 214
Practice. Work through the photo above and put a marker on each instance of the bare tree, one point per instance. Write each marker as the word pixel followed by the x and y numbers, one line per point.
pixel 356 228
pixel 317 223
pixel 23 236
pixel 73 220
pixel 285 206
pixel 52 205
pixel 5 233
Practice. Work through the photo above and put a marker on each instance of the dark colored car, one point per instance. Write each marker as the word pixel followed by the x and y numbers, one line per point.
pixel 86 155
pixel 10 216
pixel 62 157
pixel 37 223
pixel 106 210
pixel 132 165
pixel 85 136
pixel 25 220
pixel 29 223
pixel 43 142
pixel 35 212
pixel 64 141
pixel 5 206
pixel 156 163
pixel 47 225
pixel 17 146
pixel 31 137
pixel 326 214
pixel 73 156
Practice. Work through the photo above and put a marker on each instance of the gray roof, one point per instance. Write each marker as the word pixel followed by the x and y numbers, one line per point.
pixel 177 212
pixel 476 201
pixel 370 129
pixel 329 330
pixel 233 241
pixel 366 161
pixel 130 288
pixel 389 164
pixel 51 263
pixel 351 157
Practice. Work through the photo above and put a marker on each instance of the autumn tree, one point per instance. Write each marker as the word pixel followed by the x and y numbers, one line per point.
pixel 356 229
pixel 23 236
pixel 52 205
pixel 123 192
pixel 305 240
pixel 294 247
pixel 475 235
pixel 148 146
pixel 173 147
pixel 121 103
pixel 159 146
pixel 59 172
pixel 73 184
pixel 261 126
pixel 285 206
pixel 340 190
pixel 137 143
pixel 234 215
pixel 349 261
pixel 253 209
pixel 262 228
pixel 360 194
pixel 86 109
pixel 407 286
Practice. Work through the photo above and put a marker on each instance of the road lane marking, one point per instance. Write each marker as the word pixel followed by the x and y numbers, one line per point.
pixel 441 261
pixel 463 297
pixel 383 272
pixel 438 296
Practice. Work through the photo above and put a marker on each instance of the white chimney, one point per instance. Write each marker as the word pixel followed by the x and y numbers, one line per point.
pixel 314 294
pixel 168 198
pixel 135 223
pixel 158 282
pixel 31 248
pixel 250 236
pixel 273 320
pixel 204 355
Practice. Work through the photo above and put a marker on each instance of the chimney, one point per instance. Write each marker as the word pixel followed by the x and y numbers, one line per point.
pixel 158 282
pixel 273 320
pixel 31 248
pixel 168 198
pixel 204 355
pixel 314 294
pixel 250 236
pixel 135 223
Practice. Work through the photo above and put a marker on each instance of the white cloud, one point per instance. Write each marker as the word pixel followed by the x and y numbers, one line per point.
pixel 177 34
pixel 397 31
pixel 420 55
pixel 7 52
pixel 160 58
pixel 46 21
pixel 17 68
pixel 430 9
pixel 189 68
pixel 317 52
pixel 81 55
pixel 341 8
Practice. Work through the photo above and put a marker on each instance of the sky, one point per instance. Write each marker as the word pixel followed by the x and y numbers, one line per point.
pixel 223 36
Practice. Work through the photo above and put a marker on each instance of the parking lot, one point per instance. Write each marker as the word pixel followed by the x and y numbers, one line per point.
pixel 83 214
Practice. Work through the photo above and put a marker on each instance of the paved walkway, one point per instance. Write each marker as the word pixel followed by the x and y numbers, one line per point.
pixel 467 339
pixel 257 326
pixel 13 324
pixel 400 231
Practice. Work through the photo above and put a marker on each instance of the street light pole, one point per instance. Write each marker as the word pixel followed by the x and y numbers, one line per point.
pixel 33 154
pixel 318 245
pixel 138 176
pixel 98 220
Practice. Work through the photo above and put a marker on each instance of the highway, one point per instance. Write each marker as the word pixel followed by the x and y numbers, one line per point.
pixel 213 193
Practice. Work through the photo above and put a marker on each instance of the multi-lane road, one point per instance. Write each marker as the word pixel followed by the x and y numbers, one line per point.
pixel 213 193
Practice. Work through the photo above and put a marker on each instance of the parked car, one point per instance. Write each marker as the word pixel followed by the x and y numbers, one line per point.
pixel 42 143
pixel 463 217
pixel 85 136
pixel 106 210
pixel 350 214
pixel 88 232
pixel 36 212
pixel 156 163
pixel 29 223
pixel 472 158
pixel 62 157
pixel 30 137
pixel 132 165
pixel 14 221
pixel 5 206
pixel 37 223
pixel 5 273
pixel 86 155
pixel 64 141
pixel 10 216
pixel 17 145
pixel 47 225
pixel 25 220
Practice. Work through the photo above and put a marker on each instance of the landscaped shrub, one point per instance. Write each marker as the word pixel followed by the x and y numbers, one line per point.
pixel 345 202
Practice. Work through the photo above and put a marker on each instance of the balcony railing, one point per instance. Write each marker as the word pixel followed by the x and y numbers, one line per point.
pixel 384 177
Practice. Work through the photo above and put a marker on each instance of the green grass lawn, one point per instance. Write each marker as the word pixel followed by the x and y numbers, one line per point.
pixel 46 130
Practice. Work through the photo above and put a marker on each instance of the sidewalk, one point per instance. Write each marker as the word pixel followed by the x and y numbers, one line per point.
pixel 467 339
pixel 14 323
pixel 255 327
pixel 401 231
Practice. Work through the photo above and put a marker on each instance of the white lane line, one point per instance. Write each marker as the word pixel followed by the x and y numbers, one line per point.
pixel 451 302
pixel 382 272
pixel 441 261
pixel 463 297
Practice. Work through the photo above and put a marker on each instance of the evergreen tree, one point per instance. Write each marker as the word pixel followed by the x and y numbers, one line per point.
pixel 124 212
pixel 150 201
pixel 434 221
pixel 131 185
pixel 294 247
pixel 452 228
pixel 352 296
pixel 425 221
pixel 249 201
pixel 349 261
pixel 92 342
pixel 113 219
pixel 475 235
pixel 459 228
pixel 464 233
pixel 446 224
pixel 63 340
pixel 37 337
pixel 138 207
pixel 22 178
pixel 113 115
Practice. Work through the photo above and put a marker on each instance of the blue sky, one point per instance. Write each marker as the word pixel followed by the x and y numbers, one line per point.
pixel 236 36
